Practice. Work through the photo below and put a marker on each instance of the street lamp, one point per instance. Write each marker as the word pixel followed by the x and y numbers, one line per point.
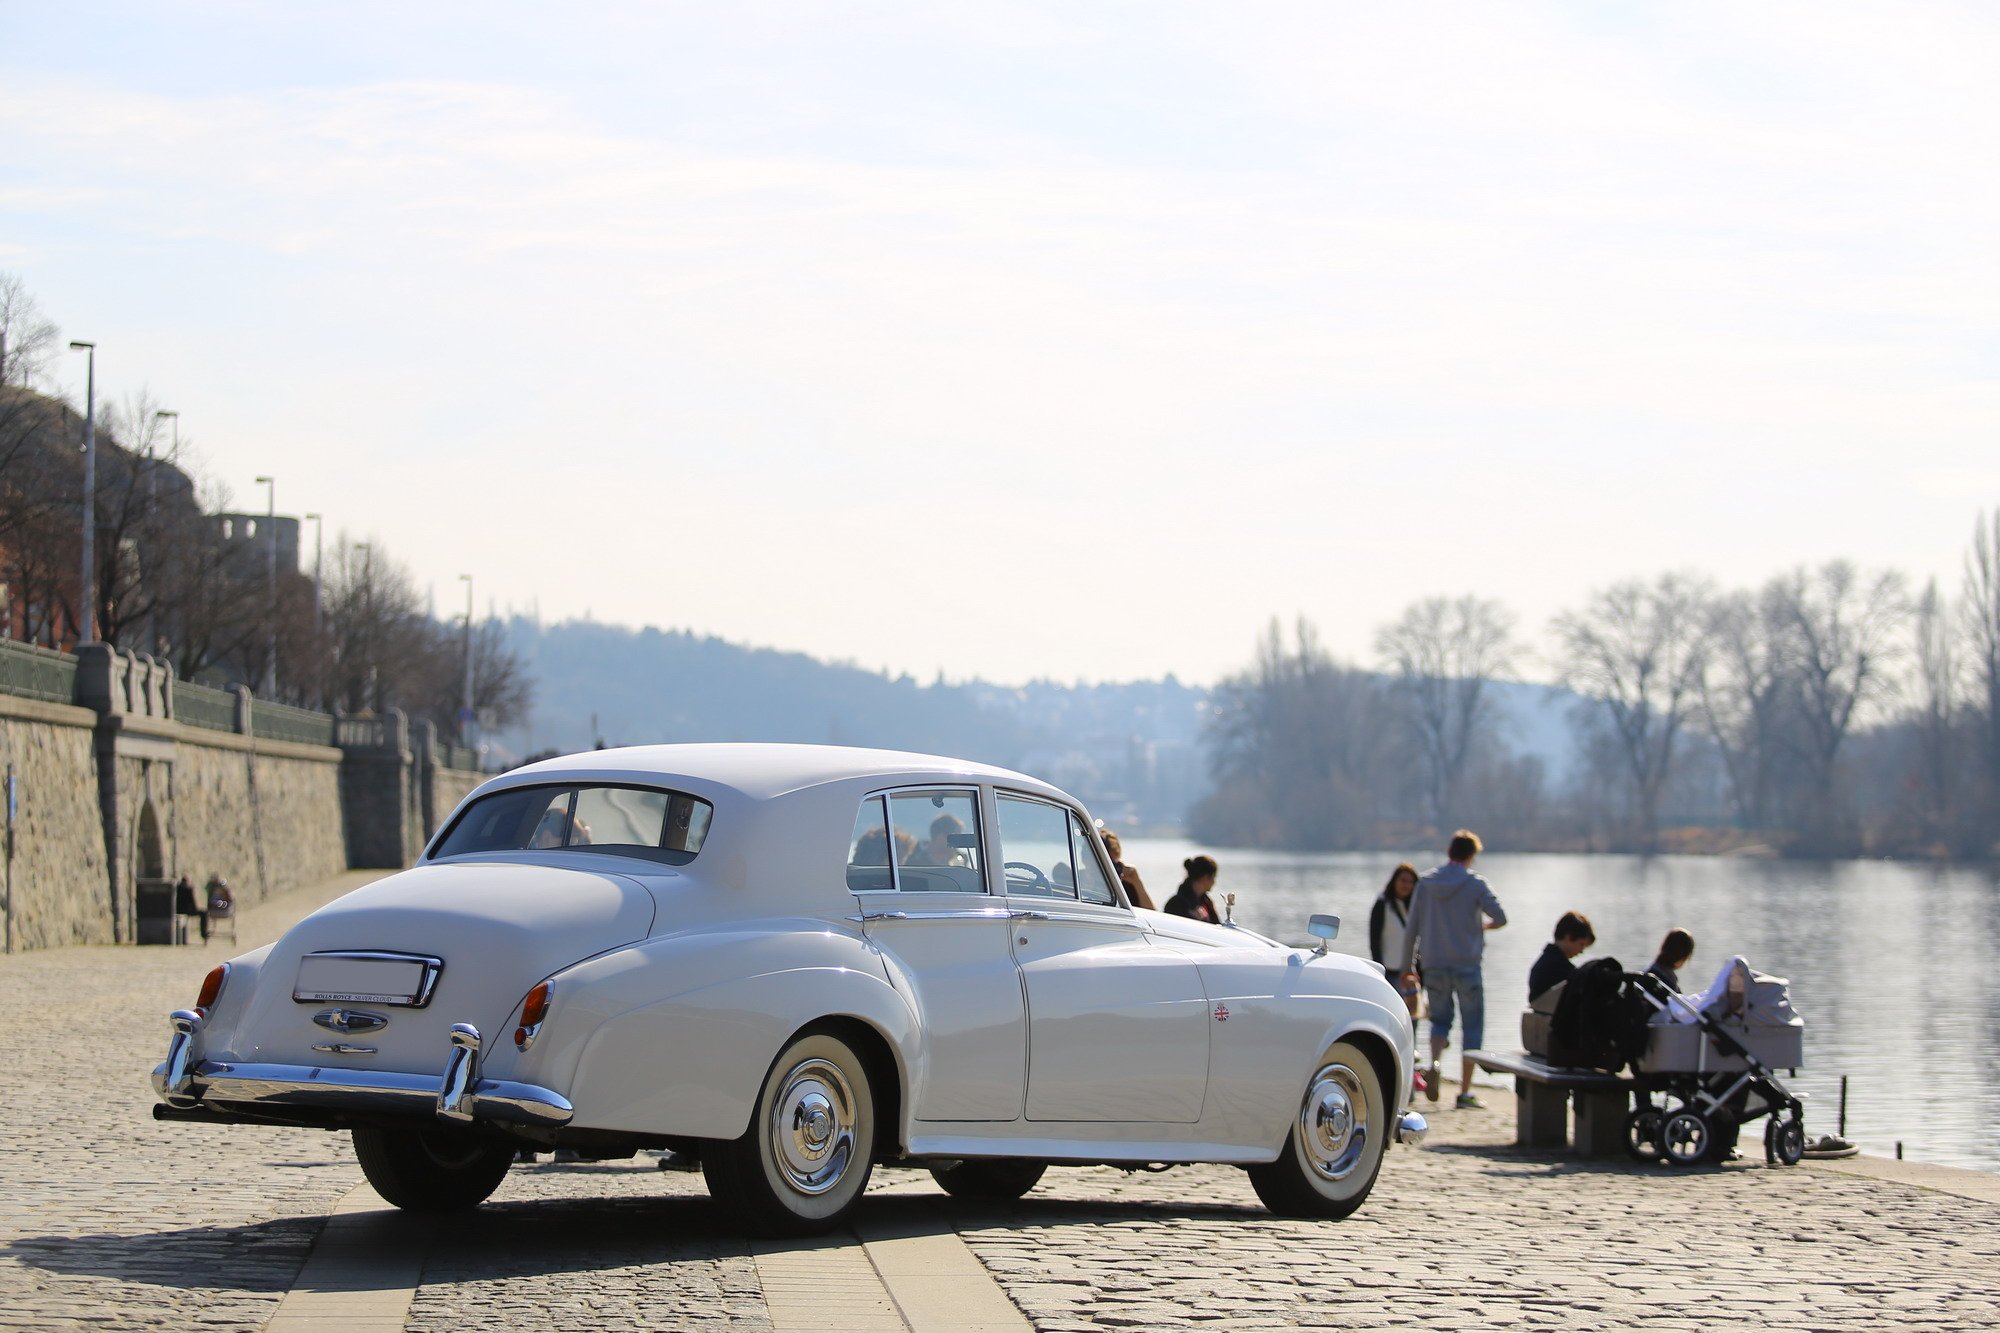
pixel 86 624
pixel 465 714
pixel 270 485
pixel 367 620
pixel 153 634
pixel 318 526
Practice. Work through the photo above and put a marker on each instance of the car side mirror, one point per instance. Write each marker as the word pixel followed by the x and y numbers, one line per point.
pixel 1324 927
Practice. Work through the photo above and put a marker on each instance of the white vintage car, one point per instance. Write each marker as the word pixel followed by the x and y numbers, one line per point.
pixel 790 963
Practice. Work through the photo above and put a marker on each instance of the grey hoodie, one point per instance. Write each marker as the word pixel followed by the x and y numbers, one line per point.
pixel 1445 911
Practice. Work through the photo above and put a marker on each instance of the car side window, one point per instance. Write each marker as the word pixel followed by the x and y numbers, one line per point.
pixel 868 862
pixel 936 834
pixel 1034 845
pixel 1093 885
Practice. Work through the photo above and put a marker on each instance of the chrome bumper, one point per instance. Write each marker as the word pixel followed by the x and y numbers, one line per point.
pixel 458 1095
pixel 1411 1128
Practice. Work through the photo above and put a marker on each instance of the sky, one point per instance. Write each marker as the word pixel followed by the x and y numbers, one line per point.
pixel 1021 340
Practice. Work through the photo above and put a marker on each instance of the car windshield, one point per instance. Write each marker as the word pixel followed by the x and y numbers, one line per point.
pixel 659 825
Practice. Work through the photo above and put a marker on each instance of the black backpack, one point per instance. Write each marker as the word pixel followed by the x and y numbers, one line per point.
pixel 1600 1022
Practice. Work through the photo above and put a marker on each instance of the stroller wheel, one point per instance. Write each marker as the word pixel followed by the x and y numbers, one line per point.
pixel 1685 1137
pixel 1642 1133
pixel 1788 1141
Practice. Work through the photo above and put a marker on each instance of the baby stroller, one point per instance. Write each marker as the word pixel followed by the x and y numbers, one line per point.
pixel 1711 1062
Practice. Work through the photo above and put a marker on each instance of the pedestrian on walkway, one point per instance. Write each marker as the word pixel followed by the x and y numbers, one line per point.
pixel 1389 929
pixel 1450 913
pixel 1135 888
pixel 1192 898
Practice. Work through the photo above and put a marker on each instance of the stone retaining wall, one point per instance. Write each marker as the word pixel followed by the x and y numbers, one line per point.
pixel 60 882
pixel 117 790
pixel 264 814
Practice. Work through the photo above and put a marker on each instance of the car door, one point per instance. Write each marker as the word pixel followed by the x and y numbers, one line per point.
pixel 917 867
pixel 1117 1024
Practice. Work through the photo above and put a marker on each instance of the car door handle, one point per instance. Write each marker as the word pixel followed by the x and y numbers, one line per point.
pixel 1026 915
pixel 882 916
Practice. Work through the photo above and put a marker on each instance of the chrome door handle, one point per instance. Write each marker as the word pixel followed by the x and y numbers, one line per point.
pixel 1026 915
pixel 881 916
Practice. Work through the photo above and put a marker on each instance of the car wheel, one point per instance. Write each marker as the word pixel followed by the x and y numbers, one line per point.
pixel 805 1159
pixel 1335 1146
pixel 430 1170
pixel 993 1179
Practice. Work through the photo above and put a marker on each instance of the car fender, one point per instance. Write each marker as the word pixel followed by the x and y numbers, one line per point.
pixel 691 1063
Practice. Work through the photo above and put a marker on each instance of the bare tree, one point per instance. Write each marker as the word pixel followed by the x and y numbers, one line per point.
pixel 1444 652
pixel 1981 612
pixel 27 337
pixel 1844 628
pixel 1745 694
pixel 1300 743
pixel 1637 651
pixel 1939 683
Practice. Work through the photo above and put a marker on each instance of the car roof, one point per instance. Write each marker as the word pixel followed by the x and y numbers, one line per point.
pixel 760 771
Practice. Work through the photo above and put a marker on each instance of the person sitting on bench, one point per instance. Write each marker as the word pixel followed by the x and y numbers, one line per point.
pixel 1557 965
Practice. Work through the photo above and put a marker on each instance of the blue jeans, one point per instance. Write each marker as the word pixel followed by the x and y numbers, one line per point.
pixel 1461 988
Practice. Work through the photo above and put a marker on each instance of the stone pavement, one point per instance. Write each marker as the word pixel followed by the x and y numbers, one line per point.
pixel 110 1219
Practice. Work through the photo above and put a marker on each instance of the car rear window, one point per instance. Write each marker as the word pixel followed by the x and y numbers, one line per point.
pixel 620 820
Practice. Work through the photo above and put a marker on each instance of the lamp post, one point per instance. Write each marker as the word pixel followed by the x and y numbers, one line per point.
pixel 367 622
pixel 86 621
pixel 270 486
pixel 318 532
pixel 465 714
pixel 153 635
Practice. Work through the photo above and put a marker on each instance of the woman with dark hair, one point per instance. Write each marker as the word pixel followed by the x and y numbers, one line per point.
pixel 1388 929
pixel 1191 899
pixel 1675 952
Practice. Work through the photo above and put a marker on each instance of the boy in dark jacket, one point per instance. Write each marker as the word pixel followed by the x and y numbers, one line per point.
pixel 1557 963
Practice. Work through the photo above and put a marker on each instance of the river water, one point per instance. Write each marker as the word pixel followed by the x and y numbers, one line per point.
pixel 1893 966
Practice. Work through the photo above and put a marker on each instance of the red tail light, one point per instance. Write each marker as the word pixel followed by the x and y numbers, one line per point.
pixel 534 1008
pixel 211 988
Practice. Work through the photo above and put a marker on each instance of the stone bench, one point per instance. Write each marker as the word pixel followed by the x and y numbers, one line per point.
pixel 1545 1090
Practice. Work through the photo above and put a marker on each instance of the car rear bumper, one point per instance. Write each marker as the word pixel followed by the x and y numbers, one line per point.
pixel 456 1094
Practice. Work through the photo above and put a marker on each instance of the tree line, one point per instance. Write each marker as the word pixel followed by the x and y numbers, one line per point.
pixel 167 581
pixel 1831 711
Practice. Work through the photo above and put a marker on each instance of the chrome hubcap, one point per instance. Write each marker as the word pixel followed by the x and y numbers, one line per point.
pixel 1333 1124
pixel 812 1126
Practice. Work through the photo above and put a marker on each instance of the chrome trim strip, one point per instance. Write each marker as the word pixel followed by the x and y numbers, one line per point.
pixel 342 1048
pixel 942 914
pixel 369 1090
pixel 433 968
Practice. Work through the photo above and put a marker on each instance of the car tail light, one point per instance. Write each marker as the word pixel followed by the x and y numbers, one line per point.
pixel 534 1008
pixel 211 989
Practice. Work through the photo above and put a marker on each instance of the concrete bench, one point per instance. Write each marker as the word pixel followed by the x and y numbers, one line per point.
pixel 1545 1090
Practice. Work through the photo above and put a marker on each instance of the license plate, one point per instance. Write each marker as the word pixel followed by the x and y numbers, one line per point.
pixel 367 977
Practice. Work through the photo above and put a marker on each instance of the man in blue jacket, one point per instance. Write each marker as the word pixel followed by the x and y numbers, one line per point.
pixel 1450 914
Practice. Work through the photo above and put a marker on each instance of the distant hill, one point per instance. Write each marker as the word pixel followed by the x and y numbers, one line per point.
pixel 1132 751
pixel 1129 750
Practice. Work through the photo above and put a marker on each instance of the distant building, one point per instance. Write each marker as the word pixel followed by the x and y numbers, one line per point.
pixel 246 541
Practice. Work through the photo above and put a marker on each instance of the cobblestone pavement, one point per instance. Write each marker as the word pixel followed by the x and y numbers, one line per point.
pixel 110 1219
